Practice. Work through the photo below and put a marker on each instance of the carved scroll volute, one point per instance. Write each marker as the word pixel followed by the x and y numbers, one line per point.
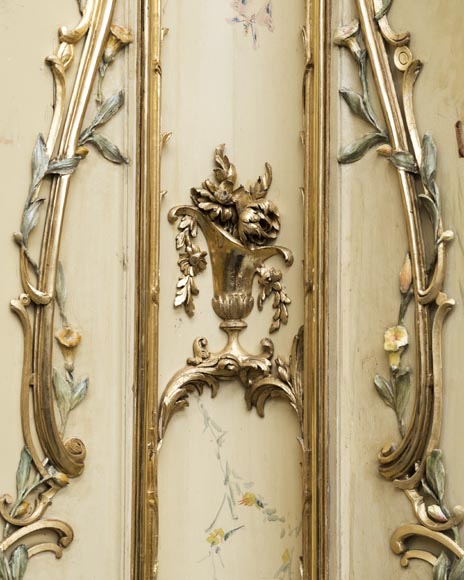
pixel 67 456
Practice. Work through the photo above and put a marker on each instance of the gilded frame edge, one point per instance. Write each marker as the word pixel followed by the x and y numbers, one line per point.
pixel 315 137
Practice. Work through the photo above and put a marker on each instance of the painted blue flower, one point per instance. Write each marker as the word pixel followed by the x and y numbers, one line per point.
pixel 251 19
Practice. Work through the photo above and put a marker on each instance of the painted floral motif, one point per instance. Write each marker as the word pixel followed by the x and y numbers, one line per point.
pixel 252 16
pixel 240 494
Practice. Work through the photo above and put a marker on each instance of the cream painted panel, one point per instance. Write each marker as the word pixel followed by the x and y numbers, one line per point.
pixel 218 88
pixel 97 254
pixel 368 243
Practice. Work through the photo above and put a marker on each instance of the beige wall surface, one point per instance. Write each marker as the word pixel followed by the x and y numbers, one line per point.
pixel 97 256
pixel 368 245
pixel 220 88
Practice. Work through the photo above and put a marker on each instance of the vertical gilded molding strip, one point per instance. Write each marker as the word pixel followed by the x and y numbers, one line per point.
pixel 415 464
pixel 48 460
pixel 152 419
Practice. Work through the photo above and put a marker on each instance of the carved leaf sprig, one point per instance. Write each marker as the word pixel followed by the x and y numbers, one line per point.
pixel 69 393
pixel 445 570
pixel 41 166
pixel 119 38
pixel 270 281
pixel 192 261
pixel 107 111
pixel 359 104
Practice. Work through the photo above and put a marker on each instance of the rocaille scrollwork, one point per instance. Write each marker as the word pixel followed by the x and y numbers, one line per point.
pixel 49 460
pixel 237 223
pixel 415 464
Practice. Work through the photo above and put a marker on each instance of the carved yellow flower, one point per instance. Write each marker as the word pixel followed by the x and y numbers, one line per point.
pixel 119 38
pixel 395 337
pixel 68 340
pixel 216 537
pixel 396 340
pixel 348 36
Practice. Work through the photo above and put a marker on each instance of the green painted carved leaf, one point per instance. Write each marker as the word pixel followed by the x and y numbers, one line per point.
pixel 107 111
pixel 40 160
pixel 18 562
pixel 359 148
pixel 63 166
pixel 4 569
pixel 63 394
pixel 358 106
pixel 61 290
pixel 385 390
pixel 384 10
pixel 429 165
pixel 30 219
pixel 404 160
pixel 457 571
pixel 402 392
pixel 107 149
pixel 440 570
pixel 24 470
pixel 435 473
pixel 79 392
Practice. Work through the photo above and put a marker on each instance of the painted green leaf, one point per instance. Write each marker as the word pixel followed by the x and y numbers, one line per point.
pixel 385 390
pixel 404 160
pixel 429 490
pixel 30 218
pixel 24 470
pixel 107 111
pixel 231 532
pixel 63 394
pixel 440 570
pixel 384 10
pixel 359 148
pixel 79 392
pixel 429 165
pixel 457 570
pixel 18 562
pixel 4 568
pixel 63 166
pixel 358 106
pixel 40 160
pixel 435 473
pixel 402 392
pixel 61 290
pixel 107 149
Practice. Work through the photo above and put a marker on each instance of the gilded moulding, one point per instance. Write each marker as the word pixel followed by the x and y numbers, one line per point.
pixel 151 417
pixel 415 463
pixel 48 460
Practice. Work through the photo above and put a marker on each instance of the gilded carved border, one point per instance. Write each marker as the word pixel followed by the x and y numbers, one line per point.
pixel 152 416
pixel 415 463
pixel 49 460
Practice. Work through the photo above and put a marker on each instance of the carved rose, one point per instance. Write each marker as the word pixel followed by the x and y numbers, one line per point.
pixel 258 223
pixel 193 261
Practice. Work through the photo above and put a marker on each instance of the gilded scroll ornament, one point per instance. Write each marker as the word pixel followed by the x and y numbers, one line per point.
pixel 49 460
pixel 414 464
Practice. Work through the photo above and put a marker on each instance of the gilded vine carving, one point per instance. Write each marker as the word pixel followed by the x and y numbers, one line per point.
pixel 415 464
pixel 48 460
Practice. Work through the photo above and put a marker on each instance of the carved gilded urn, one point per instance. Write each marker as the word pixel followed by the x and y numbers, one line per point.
pixel 239 225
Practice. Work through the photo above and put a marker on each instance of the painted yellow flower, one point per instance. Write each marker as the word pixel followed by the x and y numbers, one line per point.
pixel 249 499
pixel 286 556
pixel 395 337
pixel 216 537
